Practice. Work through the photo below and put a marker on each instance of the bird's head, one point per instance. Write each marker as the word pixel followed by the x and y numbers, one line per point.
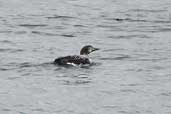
pixel 87 50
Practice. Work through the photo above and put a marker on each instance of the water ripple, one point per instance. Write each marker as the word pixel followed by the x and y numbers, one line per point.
pixel 10 50
pixel 60 17
pixel 147 10
pixel 137 20
pixel 6 31
pixel 116 58
pixel 20 32
pixel 75 82
pixel 133 69
pixel 44 33
pixel 68 35
pixel 6 42
pixel 32 25
pixel 129 36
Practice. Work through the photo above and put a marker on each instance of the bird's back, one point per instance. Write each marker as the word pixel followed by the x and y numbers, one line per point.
pixel 77 60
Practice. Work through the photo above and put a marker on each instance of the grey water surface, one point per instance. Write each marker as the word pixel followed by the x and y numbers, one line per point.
pixel 132 71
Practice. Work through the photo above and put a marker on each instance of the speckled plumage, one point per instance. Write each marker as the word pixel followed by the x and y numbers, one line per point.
pixel 77 59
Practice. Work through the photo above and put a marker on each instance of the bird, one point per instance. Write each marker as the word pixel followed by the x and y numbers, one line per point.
pixel 75 60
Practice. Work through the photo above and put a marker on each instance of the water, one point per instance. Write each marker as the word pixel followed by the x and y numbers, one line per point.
pixel 132 72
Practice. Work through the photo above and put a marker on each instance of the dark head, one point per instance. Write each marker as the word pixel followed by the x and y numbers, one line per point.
pixel 87 50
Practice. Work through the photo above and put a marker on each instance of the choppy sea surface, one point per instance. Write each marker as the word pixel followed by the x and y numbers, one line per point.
pixel 132 71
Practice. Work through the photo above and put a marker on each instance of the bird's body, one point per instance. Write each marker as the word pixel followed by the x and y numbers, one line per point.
pixel 73 60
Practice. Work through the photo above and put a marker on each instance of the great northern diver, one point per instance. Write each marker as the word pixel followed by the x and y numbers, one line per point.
pixel 81 59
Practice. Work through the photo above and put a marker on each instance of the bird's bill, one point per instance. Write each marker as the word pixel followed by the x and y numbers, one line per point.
pixel 95 49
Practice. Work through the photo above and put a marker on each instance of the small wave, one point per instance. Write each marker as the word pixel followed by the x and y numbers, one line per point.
pixel 10 66
pixel 38 110
pixel 20 32
pixel 6 31
pixel 38 32
pixel 13 78
pixel 165 30
pixel 106 26
pixel 138 20
pixel 60 17
pixel 129 36
pixel 3 69
pixel 116 58
pixel 128 91
pixel 150 59
pixel 126 19
pixel 11 50
pixel 6 110
pixel 133 84
pixel 79 5
pixel 166 94
pixel 25 64
pixel 110 106
pixel 147 10
pixel 28 64
pixel 32 25
pixel 6 42
pixel 67 35
pixel 111 50
pixel 44 33
pixel 75 82
pixel 80 26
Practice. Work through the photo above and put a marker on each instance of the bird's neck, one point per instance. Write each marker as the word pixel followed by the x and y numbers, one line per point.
pixel 84 55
